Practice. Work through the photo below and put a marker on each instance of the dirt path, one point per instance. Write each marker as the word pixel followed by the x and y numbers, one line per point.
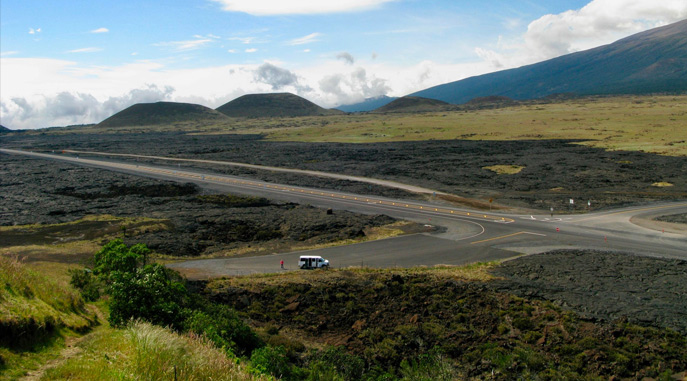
pixel 71 349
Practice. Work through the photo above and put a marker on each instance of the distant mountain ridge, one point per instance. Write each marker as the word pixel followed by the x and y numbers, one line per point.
pixel 654 61
pixel 368 104
pixel 272 105
pixel 150 114
pixel 4 129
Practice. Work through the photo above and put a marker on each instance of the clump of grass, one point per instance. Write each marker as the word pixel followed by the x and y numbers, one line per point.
pixel 149 352
pixel 505 169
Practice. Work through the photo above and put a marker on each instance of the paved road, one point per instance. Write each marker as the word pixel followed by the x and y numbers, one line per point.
pixel 471 236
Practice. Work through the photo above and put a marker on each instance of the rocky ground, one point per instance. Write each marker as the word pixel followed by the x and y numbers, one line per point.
pixel 43 192
pixel 554 171
pixel 603 285
pixel 674 218
pixel 573 320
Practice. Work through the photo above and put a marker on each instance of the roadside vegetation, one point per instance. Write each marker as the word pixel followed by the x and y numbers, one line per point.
pixel 439 323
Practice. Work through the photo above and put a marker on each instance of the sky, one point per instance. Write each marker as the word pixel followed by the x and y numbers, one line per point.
pixel 65 62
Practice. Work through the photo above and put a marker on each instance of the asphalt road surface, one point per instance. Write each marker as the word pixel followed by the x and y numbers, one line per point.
pixel 470 236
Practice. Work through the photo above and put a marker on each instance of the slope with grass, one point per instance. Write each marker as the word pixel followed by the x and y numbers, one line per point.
pixel 36 314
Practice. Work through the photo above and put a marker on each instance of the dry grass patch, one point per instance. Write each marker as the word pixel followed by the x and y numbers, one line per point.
pixel 662 184
pixel 505 169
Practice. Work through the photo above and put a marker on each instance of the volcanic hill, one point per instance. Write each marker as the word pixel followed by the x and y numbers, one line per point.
pixel 273 105
pixel 413 104
pixel 151 114
pixel 654 61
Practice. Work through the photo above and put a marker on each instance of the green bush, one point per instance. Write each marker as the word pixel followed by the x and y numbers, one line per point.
pixel 348 366
pixel 116 256
pixel 148 293
pixel 87 283
pixel 271 360
pixel 223 326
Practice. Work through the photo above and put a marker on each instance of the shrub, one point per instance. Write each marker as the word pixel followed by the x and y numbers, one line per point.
pixel 148 293
pixel 84 281
pixel 348 366
pixel 224 327
pixel 115 256
pixel 271 360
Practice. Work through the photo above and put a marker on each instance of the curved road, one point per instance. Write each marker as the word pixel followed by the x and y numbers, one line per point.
pixel 471 236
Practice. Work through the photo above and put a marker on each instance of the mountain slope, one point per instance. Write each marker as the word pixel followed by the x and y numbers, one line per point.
pixel 271 105
pixel 150 114
pixel 648 62
pixel 4 129
pixel 368 104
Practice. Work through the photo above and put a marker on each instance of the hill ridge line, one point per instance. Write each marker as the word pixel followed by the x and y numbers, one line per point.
pixel 369 180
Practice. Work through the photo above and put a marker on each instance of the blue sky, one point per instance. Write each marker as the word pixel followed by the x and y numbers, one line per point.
pixel 67 62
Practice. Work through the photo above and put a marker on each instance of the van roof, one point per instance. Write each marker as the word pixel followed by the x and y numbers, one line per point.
pixel 310 256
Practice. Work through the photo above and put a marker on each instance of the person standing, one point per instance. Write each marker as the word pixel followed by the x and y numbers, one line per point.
pixel 282 263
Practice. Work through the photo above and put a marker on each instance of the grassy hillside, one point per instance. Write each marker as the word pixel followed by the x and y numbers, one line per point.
pixel 36 312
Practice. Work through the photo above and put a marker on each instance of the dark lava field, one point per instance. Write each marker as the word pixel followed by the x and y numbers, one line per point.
pixel 555 170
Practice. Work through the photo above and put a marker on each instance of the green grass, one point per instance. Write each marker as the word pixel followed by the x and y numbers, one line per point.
pixel 37 313
pixel 147 352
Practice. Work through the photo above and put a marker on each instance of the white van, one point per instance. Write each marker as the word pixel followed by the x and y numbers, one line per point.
pixel 312 262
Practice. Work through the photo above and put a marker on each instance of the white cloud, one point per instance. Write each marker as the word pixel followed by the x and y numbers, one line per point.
pixel 34 31
pixel 186 45
pixel 251 50
pixel 598 23
pixel 85 50
pixel 100 30
pixel 312 37
pixel 9 53
pixel 280 7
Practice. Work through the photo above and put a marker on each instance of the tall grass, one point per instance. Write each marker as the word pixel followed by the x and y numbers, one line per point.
pixel 147 352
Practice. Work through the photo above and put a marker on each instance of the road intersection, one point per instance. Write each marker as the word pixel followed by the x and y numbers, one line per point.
pixel 469 236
